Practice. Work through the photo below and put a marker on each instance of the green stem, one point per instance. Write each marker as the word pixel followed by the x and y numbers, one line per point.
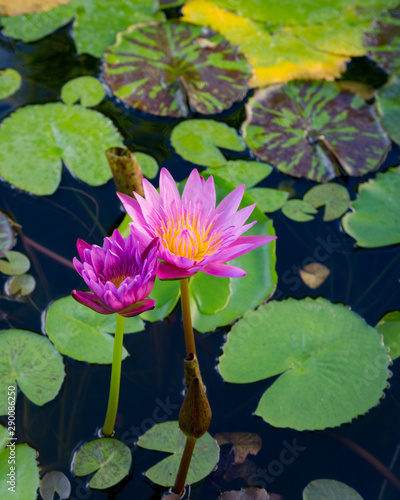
pixel 180 481
pixel 187 319
pixel 113 398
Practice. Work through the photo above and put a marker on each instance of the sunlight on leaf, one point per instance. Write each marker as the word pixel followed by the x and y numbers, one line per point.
pixel 55 482
pixel 389 327
pixel 86 89
pixel 314 274
pixel 244 443
pixel 334 197
pixel 328 489
pixel 10 81
pixel 16 263
pixel 323 353
pixel 299 210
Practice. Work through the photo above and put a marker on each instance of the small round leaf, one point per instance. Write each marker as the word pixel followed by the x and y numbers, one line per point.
pixel 268 199
pixel 7 237
pixel 328 489
pixel 55 482
pixel 334 196
pixel 87 89
pixel 23 284
pixel 18 263
pixel 299 210
pixel 10 82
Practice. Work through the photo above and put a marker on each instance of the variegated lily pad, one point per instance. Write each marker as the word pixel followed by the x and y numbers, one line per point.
pixel 314 130
pixel 167 69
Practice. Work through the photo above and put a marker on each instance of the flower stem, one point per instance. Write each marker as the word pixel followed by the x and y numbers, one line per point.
pixel 115 378
pixel 180 481
pixel 187 320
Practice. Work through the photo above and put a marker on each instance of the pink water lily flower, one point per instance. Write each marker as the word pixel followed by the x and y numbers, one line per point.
pixel 120 274
pixel 195 235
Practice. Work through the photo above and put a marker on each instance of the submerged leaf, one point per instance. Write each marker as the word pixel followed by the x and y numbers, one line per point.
pixel 310 129
pixel 328 489
pixel 10 81
pixel 334 196
pixel 164 70
pixel 250 493
pixel 374 221
pixel 389 327
pixel 86 89
pixel 244 443
pixel 16 263
pixel 332 365
pixel 19 7
pixel 7 236
pixel 55 482
pixel 314 274
pixel 110 457
pixel 31 156
pixel 299 210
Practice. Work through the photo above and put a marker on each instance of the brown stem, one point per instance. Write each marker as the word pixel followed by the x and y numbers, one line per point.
pixel 180 481
pixel 46 251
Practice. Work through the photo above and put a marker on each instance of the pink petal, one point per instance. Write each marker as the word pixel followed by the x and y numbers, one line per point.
pixel 143 238
pixel 168 271
pixel 89 300
pixel 138 308
pixel 231 202
pixel 208 193
pixel 132 208
pixel 168 189
pixel 243 245
pixel 151 194
pixel 223 270
pixel 192 187
pixel 81 246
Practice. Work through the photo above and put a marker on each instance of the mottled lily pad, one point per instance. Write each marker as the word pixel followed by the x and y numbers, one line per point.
pixel 16 263
pixel 374 221
pixel 168 69
pixel 55 482
pixel 389 106
pixel 245 172
pixel 389 327
pixel 268 199
pixel 328 489
pixel 111 458
pixel 22 284
pixel 334 196
pixel 86 89
pixel 7 236
pixel 332 365
pixel 32 362
pixel 31 156
pixel 169 438
pixel 299 210
pixel 10 82
pixel 313 129
pixel 198 141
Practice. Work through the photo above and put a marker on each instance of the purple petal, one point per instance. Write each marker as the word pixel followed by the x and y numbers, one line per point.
pixel 168 271
pixel 81 246
pixel 223 270
pixel 244 244
pixel 192 187
pixel 89 300
pixel 143 238
pixel 138 308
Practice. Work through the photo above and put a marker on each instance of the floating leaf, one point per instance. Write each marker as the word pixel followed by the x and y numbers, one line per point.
pixel 244 443
pixel 79 332
pixel 86 89
pixel 389 327
pixel 19 7
pixel 7 237
pixel 111 458
pixel 23 284
pixel 55 482
pixel 5 437
pixel 166 295
pixel 243 293
pixel 310 129
pixel 31 156
pixel 211 293
pixel 299 210
pixel 245 172
pixel 30 360
pixel 16 263
pixel 375 221
pixel 268 199
pixel 26 474
pixel 164 70
pixel 198 141
pixel 148 164
pixel 389 105
pixel 10 81
pixel 131 325
pixel 95 26
pixel 314 274
pixel 328 489
pixel 334 196
pixel 167 437
pixel 333 365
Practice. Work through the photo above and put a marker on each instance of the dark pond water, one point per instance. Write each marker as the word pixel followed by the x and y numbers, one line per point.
pixel 152 377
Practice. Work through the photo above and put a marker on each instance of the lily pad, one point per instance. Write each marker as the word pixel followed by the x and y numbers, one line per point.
pixel 389 105
pixel 314 274
pixel 332 365
pixel 95 25
pixel 169 438
pixel 198 141
pixel 374 221
pixel 86 89
pixel 245 172
pixel 4 437
pixel 148 164
pixel 111 458
pixel 10 82
pixel 55 482
pixel 389 327
pixel 312 129
pixel 23 284
pixel 26 473
pixel 268 199
pixel 328 489
pixel 7 236
pixel 299 210
pixel 245 443
pixel 81 333
pixel 31 361
pixel 168 69
pixel 16 263
pixel 334 196
pixel 31 156
pixel 166 295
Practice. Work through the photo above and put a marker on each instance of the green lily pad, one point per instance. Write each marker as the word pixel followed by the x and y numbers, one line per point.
pixel 4 437
pixel 55 482
pixel 10 82
pixel 166 295
pixel 95 26
pixel 312 129
pixel 23 284
pixel 241 294
pixel 31 361
pixel 26 473
pixel 148 164
pixel 86 89
pixel 198 141
pixel 7 236
pixel 299 210
pixel 111 458
pixel 169 438
pixel 334 196
pixel 16 263
pixel 389 105
pixel 328 489
pixel 31 156
pixel 374 221
pixel 332 365
pixel 389 327
pixel 268 199
pixel 170 68
pixel 81 333
pixel 245 172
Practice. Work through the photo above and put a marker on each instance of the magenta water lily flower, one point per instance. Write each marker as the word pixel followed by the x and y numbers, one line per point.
pixel 120 274
pixel 195 235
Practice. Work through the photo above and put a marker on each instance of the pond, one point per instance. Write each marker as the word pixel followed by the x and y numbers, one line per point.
pixel 353 437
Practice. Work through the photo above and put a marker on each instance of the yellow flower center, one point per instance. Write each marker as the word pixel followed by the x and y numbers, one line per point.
pixel 118 279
